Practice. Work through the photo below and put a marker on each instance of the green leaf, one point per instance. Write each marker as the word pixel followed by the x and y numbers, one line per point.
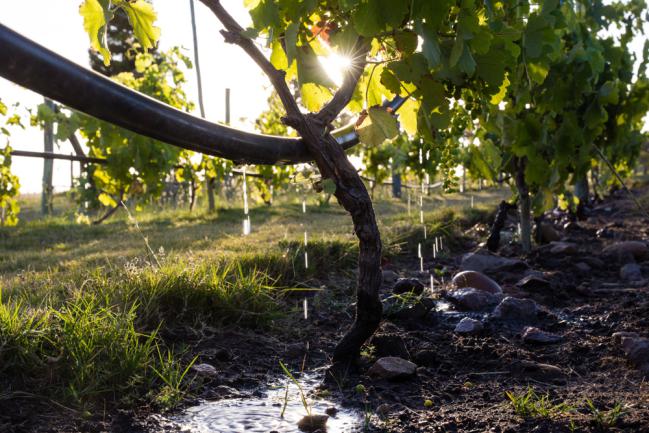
pixel 314 96
pixel 430 47
pixel 328 186
pixel 142 17
pixel 309 68
pixel 456 52
pixel 502 92
pixel 291 41
pixel 406 41
pixel 408 115
pixel 374 16
pixel 94 20
pixel 378 126
pixel 106 200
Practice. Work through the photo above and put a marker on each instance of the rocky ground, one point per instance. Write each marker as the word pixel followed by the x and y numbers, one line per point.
pixel 568 321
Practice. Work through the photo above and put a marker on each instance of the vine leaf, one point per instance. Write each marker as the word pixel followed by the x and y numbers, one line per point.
pixel 377 126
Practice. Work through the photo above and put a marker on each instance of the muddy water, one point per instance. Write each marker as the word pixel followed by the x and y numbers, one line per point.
pixel 262 414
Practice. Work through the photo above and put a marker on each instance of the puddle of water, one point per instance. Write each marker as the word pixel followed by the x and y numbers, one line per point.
pixel 262 414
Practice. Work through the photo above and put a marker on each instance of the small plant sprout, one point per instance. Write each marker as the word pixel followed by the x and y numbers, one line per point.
pixel 305 402
pixel 605 419
pixel 529 404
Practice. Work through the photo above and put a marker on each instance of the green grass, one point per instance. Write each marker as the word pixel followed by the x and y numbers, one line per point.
pixel 86 312
pixel 529 404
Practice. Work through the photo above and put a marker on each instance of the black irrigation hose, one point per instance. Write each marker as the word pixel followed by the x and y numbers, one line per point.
pixel 32 66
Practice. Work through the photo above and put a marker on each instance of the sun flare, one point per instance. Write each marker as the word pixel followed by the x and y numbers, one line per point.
pixel 336 65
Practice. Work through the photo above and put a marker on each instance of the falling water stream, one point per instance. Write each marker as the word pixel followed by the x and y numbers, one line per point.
pixel 256 414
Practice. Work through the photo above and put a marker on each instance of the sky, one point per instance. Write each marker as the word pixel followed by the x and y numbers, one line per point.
pixel 58 26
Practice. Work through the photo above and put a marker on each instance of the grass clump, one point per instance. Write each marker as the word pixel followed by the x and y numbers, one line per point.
pixel 529 404
pixel 86 352
pixel 605 419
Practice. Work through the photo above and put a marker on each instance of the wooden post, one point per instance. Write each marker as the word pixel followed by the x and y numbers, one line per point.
pixel 48 164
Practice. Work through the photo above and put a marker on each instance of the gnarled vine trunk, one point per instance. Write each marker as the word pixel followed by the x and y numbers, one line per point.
pixel 352 195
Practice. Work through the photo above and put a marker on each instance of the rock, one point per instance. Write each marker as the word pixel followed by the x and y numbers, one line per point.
pixel 405 285
pixel 429 358
pixel 413 311
pixel 538 371
pixel 637 249
pixel 548 233
pixel 390 276
pixel 594 262
pixel 477 281
pixel 331 411
pixel 516 309
pixel 534 335
pixel 582 267
pixel 390 345
pixel 468 326
pixel 392 367
pixel 571 226
pixel 205 370
pixel 563 248
pixel 605 233
pixel 482 261
pixel 631 272
pixel 533 283
pixel 618 336
pixel 471 299
pixel 312 423
pixel 636 349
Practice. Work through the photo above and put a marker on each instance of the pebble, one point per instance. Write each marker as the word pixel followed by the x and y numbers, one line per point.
pixel 631 272
pixel 476 280
pixel 516 309
pixel 637 249
pixel 482 261
pixel 471 299
pixel 469 326
pixel 312 423
pixel 206 370
pixel 390 276
pixel 563 248
pixel 533 283
pixel 392 367
pixel 534 335
pixel 405 285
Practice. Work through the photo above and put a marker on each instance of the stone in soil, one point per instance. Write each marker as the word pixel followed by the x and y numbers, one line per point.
pixel 548 233
pixel 516 309
pixel 312 423
pixel 468 326
pixel 205 370
pixel 582 267
pixel 636 349
pixel 389 276
pixel 484 261
pixel 392 367
pixel 533 283
pixel 471 299
pixel 390 345
pixel 631 272
pixel 537 336
pixel 637 249
pixel 538 371
pixel 563 248
pixel 406 285
pixel 476 280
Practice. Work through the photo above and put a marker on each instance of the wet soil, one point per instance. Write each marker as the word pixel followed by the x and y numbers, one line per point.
pixel 464 377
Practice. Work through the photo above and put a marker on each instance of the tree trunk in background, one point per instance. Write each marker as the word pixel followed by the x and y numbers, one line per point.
pixel 463 179
pixel 493 242
pixel 582 192
pixel 524 207
pixel 48 164
pixel 396 184
pixel 211 205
